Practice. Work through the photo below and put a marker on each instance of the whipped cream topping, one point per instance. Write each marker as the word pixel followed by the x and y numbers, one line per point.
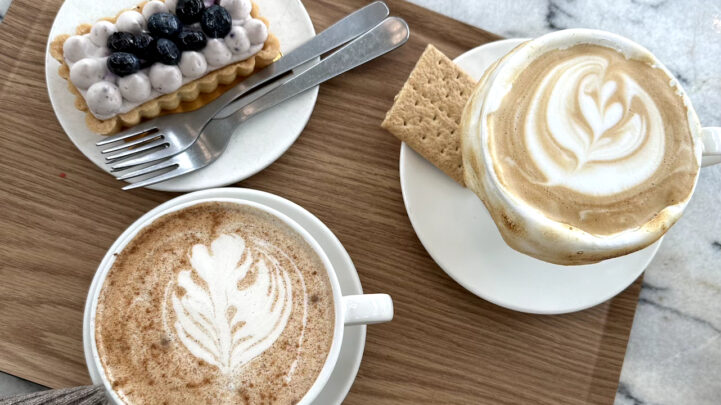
pixel 85 54
pixel 131 21
pixel 135 87
pixel 193 64
pixel 236 301
pixel 101 31
pixel 154 7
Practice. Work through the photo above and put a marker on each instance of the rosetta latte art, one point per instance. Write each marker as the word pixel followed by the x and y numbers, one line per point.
pixel 588 122
pixel 216 303
pixel 591 139
pixel 234 303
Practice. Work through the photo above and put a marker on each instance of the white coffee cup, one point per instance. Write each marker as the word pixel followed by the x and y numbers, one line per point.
pixel 350 309
pixel 542 237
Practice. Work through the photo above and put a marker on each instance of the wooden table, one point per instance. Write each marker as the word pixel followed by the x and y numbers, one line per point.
pixel 59 213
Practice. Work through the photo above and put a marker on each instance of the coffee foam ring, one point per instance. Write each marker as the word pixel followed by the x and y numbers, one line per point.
pixel 426 113
pixel 551 241
pixel 189 97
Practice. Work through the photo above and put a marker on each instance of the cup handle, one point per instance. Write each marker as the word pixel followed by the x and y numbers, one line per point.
pixel 711 137
pixel 367 309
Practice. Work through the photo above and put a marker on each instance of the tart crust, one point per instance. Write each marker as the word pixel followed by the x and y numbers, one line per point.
pixel 190 96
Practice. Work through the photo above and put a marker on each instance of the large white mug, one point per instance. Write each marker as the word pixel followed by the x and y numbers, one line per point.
pixel 526 228
pixel 349 309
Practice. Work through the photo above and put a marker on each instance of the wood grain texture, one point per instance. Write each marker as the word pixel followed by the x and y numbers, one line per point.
pixel 445 345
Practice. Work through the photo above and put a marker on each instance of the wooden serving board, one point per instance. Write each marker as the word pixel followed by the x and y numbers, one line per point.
pixel 59 213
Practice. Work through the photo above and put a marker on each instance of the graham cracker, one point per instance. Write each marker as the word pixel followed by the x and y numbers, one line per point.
pixel 426 113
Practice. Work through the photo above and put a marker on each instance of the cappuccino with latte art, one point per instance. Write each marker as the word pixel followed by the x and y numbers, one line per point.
pixel 582 146
pixel 215 303
pixel 593 139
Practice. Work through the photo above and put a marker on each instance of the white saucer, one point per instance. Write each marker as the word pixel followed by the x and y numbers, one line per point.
pixel 256 144
pixel 354 337
pixel 460 235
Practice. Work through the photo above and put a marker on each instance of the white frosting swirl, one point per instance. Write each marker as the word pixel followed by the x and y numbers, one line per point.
pixel 238 9
pixel 154 7
pixel 606 145
pixel 165 78
pixel 135 87
pixel 131 21
pixel 257 31
pixel 193 64
pixel 80 46
pixel 104 98
pixel 87 72
pixel 171 5
pixel 217 53
pixel 237 40
pixel 101 31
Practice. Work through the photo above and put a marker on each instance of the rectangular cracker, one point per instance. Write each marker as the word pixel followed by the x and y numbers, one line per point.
pixel 426 113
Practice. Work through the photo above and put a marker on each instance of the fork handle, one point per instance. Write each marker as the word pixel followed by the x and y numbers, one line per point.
pixel 332 37
pixel 383 38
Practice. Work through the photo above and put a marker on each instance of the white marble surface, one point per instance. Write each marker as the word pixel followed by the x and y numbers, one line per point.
pixel 674 355
pixel 4 4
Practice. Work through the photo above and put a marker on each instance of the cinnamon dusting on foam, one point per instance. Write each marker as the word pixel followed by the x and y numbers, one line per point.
pixel 210 304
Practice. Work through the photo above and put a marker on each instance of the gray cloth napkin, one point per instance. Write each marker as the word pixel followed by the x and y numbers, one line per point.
pixel 87 395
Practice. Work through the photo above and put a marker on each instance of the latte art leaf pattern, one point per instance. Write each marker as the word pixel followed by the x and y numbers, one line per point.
pixel 585 136
pixel 233 304
pixel 220 302
pixel 587 120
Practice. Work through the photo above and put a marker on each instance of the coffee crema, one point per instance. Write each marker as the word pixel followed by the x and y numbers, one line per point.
pixel 593 139
pixel 215 303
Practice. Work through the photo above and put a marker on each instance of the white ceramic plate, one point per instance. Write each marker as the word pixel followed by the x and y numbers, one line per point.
pixel 255 145
pixel 460 235
pixel 353 344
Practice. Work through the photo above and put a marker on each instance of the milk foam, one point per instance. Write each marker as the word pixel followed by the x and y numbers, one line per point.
pixel 215 303
pixel 222 323
pixel 583 134
pixel 592 139
pixel 581 145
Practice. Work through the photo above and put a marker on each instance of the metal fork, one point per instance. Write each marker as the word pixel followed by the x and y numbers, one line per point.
pixel 176 132
pixel 387 36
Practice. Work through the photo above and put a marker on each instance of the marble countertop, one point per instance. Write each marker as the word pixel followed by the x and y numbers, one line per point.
pixel 674 354
pixel 4 4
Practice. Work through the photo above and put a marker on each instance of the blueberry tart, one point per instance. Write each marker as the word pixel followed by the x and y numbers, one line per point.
pixel 161 57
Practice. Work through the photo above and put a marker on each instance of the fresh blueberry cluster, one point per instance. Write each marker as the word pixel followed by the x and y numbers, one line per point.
pixel 168 36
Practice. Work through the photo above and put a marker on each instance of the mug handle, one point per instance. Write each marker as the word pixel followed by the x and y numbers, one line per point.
pixel 367 309
pixel 711 137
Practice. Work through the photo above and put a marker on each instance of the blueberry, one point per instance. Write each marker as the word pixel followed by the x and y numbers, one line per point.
pixel 189 40
pixel 123 63
pixel 164 25
pixel 122 42
pixel 189 11
pixel 216 21
pixel 144 44
pixel 167 52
